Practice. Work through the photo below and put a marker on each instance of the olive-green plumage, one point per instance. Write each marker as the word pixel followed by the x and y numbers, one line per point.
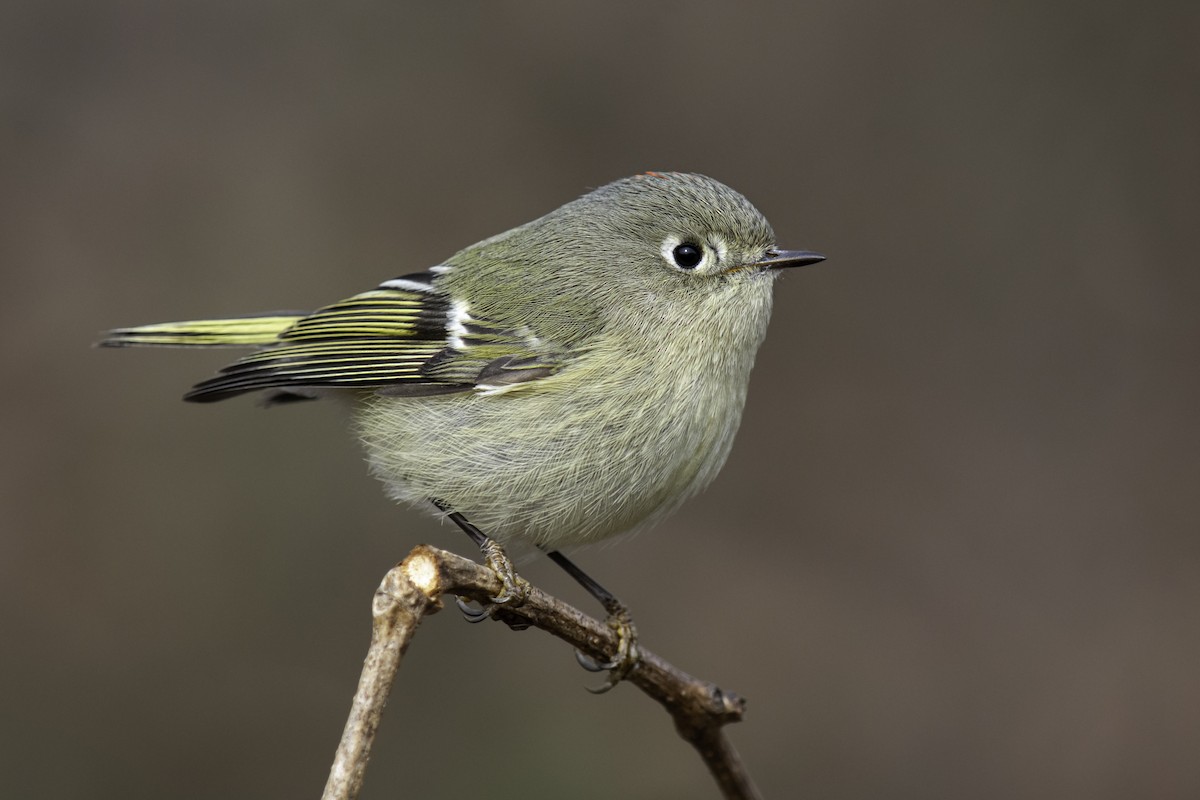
pixel 571 379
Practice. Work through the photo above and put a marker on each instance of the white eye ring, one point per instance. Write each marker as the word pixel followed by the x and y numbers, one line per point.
pixel 686 255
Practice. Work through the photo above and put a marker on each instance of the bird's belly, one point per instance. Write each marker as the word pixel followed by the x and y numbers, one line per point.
pixel 547 468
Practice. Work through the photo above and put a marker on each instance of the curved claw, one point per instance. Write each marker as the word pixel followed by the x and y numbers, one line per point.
pixel 591 664
pixel 472 611
pixel 608 684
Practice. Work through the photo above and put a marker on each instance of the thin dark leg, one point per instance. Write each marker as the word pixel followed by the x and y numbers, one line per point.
pixel 619 620
pixel 477 536
pixel 606 598
pixel 515 588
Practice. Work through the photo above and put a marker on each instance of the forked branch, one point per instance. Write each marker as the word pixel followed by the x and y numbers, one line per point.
pixel 413 589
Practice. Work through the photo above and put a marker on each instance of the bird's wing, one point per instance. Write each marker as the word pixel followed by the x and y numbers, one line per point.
pixel 405 338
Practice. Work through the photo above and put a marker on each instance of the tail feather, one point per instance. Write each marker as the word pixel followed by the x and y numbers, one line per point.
pixel 236 332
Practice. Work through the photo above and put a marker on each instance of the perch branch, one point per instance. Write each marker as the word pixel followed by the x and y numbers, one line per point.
pixel 412 590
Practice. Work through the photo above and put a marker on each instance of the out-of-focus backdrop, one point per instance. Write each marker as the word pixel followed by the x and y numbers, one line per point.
pixel 955 553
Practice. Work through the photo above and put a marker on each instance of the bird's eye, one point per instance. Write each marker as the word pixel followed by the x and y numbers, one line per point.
pixel 687 255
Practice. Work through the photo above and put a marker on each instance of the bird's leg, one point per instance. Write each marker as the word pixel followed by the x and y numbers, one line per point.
pixel 514 587
pixel 626 657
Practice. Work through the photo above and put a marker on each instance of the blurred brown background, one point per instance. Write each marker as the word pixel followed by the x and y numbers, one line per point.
pixel 956 552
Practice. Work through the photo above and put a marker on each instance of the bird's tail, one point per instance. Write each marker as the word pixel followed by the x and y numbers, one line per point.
pixel 251 331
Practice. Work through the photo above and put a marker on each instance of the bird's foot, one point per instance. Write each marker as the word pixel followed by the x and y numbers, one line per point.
pixel 513 588
pixel 626 657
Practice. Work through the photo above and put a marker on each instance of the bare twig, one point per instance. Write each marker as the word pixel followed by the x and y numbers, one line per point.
pixel 413 589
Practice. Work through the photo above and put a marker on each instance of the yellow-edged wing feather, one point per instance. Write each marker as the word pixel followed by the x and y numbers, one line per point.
pixel 235 332
pixel 395 339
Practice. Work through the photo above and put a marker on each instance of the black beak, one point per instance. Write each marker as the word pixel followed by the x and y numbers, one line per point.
pixel 778 259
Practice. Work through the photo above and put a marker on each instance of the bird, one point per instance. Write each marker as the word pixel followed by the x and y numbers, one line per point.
pixel 574 378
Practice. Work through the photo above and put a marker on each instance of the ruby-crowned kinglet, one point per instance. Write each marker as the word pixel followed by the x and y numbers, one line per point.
pixel 573 378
